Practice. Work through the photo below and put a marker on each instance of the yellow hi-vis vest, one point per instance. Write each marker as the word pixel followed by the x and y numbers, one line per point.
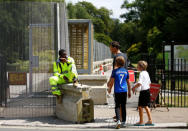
pixel 60 68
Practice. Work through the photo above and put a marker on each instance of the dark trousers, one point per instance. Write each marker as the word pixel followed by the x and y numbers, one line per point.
pixel 120 100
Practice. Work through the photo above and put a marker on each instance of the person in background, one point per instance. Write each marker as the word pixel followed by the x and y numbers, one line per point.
pixel 64 72
pixel 115 50
pixel 144 97
pixel 120 80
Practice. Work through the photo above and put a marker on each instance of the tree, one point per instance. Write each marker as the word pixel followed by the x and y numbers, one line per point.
pixel 175 27
pixel 153 40
pixel 133 52
pixel 81 13
pixel 99 25
pixel 103 38
pixel 89 7
pixel 133 13
pixel 104 15
pixel 157 21
pixel 71 11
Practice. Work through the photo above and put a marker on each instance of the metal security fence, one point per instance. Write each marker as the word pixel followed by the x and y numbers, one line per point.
pixel 101 51
pixel 30 35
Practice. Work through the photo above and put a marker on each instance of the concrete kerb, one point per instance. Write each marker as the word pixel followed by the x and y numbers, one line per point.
pixel 25 123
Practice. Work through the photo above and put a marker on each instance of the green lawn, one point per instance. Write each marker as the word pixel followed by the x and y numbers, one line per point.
pixel 182 86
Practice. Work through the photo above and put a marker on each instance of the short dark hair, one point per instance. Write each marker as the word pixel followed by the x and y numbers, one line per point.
pixel 120 61
pixel 61 52
pixel 115 44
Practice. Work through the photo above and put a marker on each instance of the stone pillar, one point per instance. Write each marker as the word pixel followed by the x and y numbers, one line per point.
pixel 76 104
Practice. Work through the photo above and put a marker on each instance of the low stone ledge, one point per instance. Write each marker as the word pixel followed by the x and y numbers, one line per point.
pixel 93 80
pixel 98 88
pixel 107 65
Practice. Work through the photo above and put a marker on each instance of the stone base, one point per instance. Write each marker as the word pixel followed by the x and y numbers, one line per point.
pixel 76 105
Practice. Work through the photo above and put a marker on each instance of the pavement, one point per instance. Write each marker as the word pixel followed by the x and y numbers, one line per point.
pixel 162 118
pixel 175 118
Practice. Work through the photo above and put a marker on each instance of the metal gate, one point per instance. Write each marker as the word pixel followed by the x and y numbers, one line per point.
pixel 175 83
pixel 29 39
pixel 172 74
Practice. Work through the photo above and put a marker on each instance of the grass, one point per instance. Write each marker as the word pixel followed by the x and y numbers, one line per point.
pixel 174 102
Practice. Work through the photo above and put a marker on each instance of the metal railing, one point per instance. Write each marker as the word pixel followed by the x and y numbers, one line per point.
pixel 101 51
pixel 175 83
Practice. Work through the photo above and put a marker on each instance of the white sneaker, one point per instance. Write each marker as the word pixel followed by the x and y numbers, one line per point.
pixel 123 124
pixel 118 124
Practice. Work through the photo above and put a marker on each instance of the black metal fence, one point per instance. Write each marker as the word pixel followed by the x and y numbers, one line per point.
pixel 175 83
pixel 172 74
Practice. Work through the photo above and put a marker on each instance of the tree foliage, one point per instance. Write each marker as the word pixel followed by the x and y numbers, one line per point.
pixel 103 38
pixel 157 21
pixel 147 23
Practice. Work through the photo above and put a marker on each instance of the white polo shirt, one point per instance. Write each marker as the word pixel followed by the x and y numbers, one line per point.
pixel 144 80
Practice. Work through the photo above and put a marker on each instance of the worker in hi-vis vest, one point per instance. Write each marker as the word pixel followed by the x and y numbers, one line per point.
pixel 64 72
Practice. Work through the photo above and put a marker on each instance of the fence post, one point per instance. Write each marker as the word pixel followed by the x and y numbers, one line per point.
pixel 3 81
pixel 172 67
